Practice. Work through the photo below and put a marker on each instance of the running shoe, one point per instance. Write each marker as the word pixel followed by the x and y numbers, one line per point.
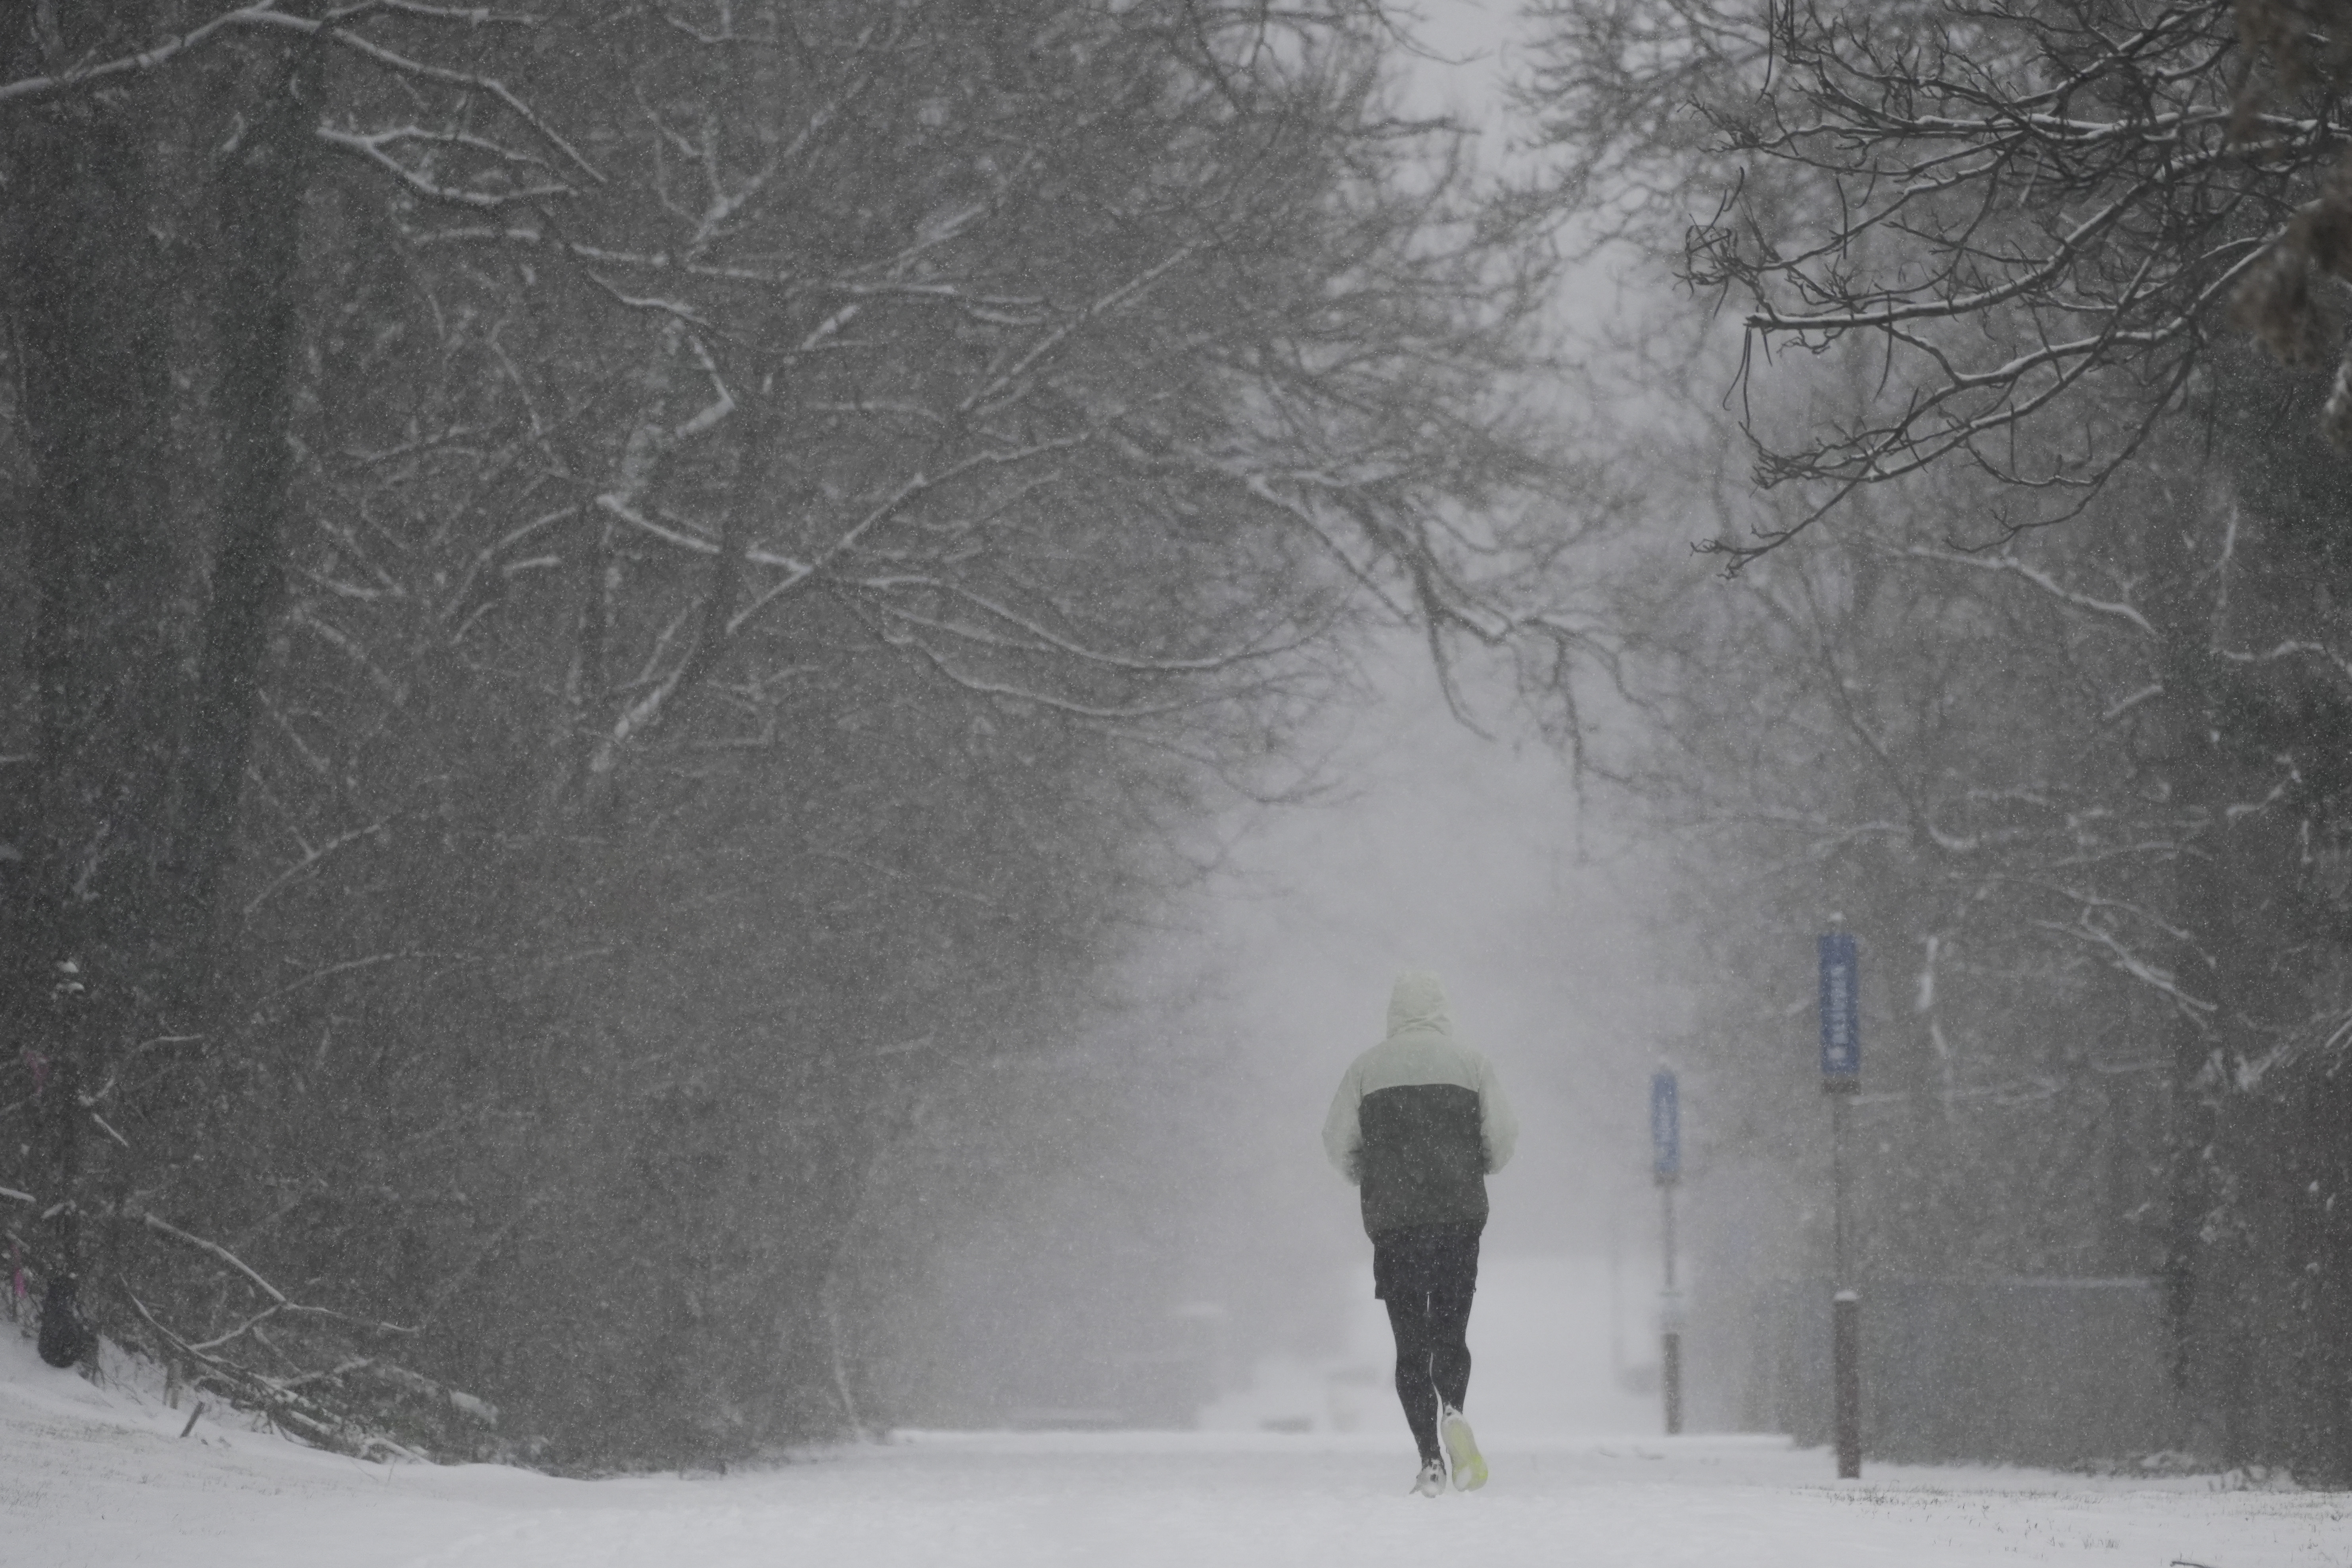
pixel 1469 1465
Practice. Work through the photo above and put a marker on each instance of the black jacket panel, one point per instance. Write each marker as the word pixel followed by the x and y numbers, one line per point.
pixel 1423 1158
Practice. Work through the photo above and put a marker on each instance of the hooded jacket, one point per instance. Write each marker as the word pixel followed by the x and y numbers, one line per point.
pixel 1419 1121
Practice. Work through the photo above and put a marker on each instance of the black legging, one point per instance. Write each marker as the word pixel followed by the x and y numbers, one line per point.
pixel 1433 1363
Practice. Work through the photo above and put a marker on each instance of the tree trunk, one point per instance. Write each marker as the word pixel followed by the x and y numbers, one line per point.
pixel 86 288
pixel 261 220
pixel 2230 883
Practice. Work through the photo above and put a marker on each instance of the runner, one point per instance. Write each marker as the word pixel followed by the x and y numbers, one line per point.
pixel 1418 1124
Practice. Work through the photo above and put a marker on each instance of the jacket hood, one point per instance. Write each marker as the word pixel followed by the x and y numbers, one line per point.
pixel 1418 1003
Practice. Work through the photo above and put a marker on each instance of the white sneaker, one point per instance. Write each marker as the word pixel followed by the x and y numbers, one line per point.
pixel 1431 1482
pixel 1469 1465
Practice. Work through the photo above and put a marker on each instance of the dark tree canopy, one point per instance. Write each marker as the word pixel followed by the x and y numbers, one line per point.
pixel 599 599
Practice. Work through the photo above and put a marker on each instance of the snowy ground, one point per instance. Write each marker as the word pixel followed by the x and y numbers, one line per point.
pixel 101 1476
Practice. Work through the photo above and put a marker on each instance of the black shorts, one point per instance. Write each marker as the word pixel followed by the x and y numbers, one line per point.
pixel 1423 1259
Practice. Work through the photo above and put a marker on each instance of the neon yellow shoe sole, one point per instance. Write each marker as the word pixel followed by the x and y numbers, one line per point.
pixel 1462 1450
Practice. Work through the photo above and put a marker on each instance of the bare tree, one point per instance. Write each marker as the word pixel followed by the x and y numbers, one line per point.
pixel 729 537
pixel 2017 215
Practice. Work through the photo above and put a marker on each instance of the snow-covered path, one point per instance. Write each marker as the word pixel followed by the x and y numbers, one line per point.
pixel 92 1476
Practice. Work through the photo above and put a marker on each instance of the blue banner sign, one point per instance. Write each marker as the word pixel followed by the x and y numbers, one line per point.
pixel 1841 1012
pixel 1665 1128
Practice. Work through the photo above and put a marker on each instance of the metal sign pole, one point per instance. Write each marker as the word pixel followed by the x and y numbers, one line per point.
pixel 1839 1270
pixel 1845 1314
pixel 1670 1326
pixel 1841 1077
pixel 1666 1169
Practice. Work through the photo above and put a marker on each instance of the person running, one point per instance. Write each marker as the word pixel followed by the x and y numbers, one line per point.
pixel 1418 1123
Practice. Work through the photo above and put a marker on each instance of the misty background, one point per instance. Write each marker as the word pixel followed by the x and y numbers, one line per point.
pixel 1196 1182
